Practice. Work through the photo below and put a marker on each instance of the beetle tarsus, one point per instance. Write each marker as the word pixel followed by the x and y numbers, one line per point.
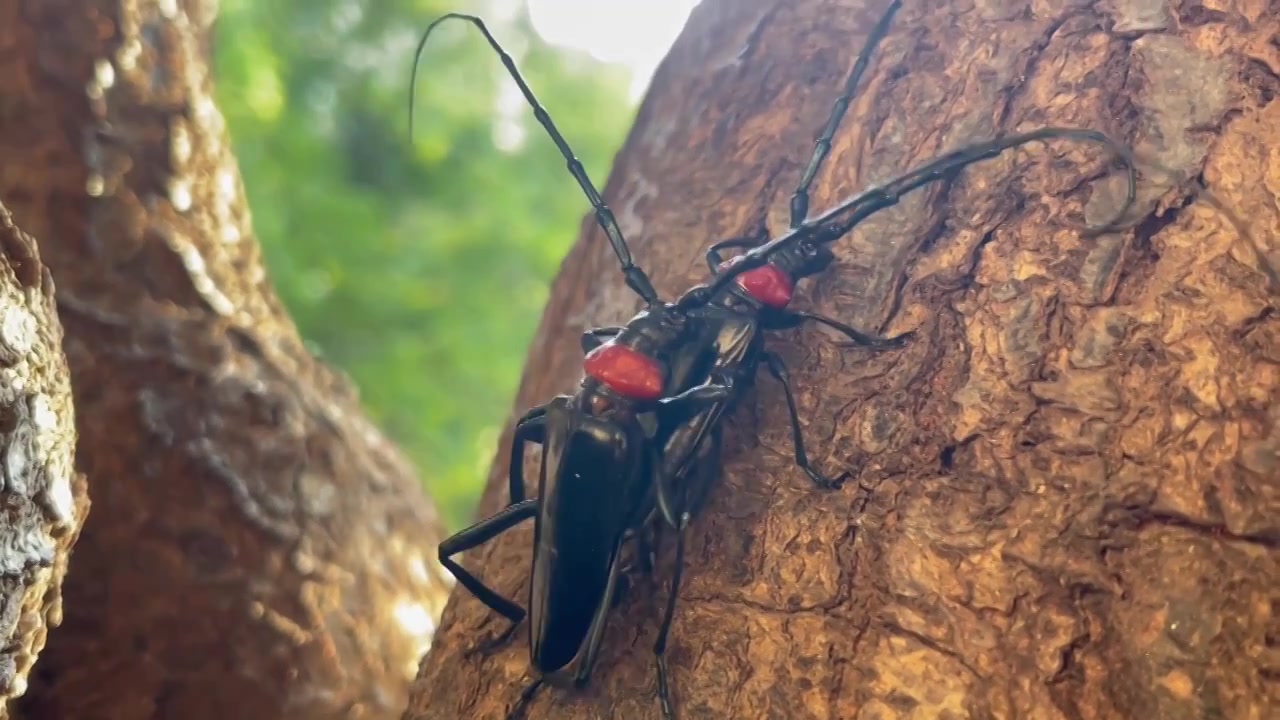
pixel 778 370
pixel 660 647
pixel 526 697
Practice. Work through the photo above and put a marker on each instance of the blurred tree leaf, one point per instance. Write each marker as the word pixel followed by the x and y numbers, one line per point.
pixel 421 270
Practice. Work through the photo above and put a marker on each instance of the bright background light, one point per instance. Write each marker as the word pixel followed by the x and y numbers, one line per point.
pixel 635 33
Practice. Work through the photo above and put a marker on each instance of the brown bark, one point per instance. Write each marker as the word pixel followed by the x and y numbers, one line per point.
pixel 257 549
pixel 43 498
pixel 1066 500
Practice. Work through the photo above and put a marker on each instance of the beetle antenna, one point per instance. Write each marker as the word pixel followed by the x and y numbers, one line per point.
pixel 636 278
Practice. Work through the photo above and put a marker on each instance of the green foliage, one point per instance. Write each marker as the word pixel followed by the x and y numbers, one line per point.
pixel 419 269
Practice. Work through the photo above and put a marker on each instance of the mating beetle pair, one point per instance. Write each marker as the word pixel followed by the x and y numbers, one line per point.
pixel 640 439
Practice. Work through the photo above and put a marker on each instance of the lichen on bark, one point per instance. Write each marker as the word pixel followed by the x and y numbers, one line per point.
pixel 1066 502
pixel 43 502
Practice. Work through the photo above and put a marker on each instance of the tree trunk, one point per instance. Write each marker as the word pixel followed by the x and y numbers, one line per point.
pixel 43 498
pixel 257 550
pixel 1066 500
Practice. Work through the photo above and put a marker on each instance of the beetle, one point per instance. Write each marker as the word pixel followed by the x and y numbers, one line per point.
pixel 599 451
pixel 639 439
pixel 749 295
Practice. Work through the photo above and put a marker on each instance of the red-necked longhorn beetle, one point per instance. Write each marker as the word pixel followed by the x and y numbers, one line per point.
pixel 640 438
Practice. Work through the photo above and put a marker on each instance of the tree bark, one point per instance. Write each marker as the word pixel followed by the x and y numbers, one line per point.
pixel 257 550
pixel 44 499
pixel 1066 500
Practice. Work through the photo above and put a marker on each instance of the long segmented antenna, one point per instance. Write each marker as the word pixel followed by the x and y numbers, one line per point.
pixel 822 146
pixel 637 280
pixel 827 228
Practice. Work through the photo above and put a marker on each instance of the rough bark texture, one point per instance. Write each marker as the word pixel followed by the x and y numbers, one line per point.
pixel 257 549
pixel 1066 503
pixel 43 501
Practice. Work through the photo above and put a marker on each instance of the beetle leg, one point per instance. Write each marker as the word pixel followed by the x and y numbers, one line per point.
pixel 595 337
pixel 660 647
pixel 686 405
pixel 528 429
pixel 708 469
pixel 644 556
pixel 696 399
pixel 787 319
pixel 705 470
pixel 779 371
pixel 477 535
pixel 656 544
pixel 526 696
pixel 715 259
